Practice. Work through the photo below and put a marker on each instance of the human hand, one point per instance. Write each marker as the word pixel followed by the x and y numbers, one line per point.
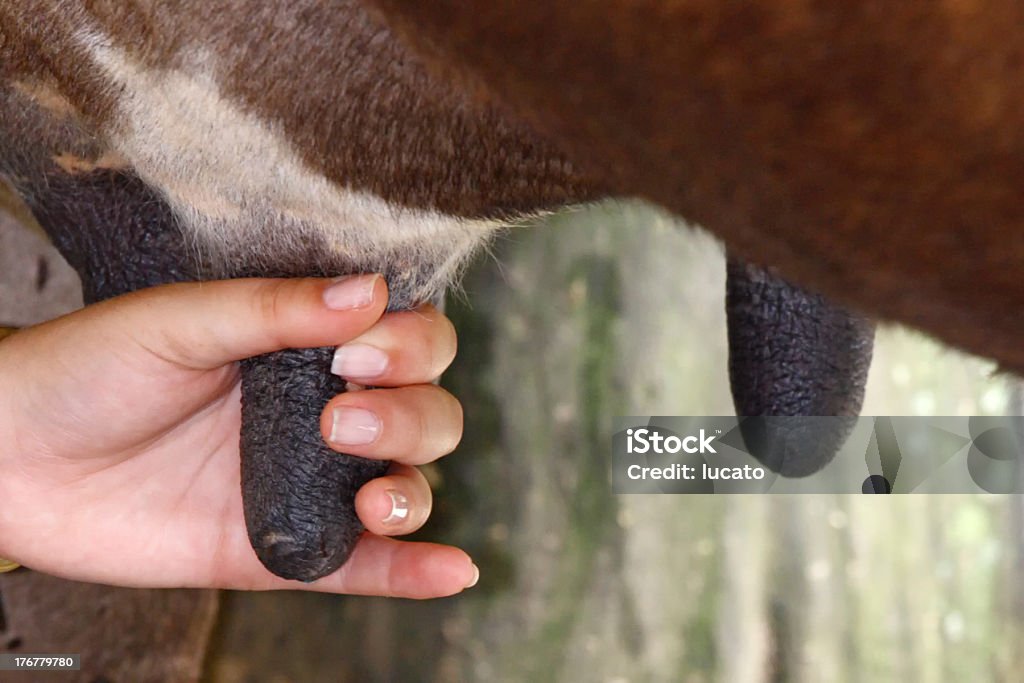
pixel 119 423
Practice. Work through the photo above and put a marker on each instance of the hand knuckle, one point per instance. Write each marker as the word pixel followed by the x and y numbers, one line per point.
pixel 271 299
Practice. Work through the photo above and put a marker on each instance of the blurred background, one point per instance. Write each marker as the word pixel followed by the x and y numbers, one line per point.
pixel 614 310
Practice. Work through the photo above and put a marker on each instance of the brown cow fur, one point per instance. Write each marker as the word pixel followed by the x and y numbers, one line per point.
pixel 871 150
pixel 336 148
pixel 316 86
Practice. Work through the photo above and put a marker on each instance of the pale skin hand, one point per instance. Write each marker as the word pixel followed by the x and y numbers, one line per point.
pixel 119 435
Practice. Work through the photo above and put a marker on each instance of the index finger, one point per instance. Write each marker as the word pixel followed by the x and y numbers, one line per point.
pixel 405 347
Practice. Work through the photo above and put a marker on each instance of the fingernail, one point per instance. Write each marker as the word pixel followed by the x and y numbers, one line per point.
pixel 476 576
pixel 350 292
pixel 354 426
pixel 359 360
pixel 399 507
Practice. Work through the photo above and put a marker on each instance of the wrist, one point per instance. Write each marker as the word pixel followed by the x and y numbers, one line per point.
pixel 7 448
pixel 7 439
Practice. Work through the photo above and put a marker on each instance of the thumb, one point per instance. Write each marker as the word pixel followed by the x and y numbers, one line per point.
pixel 203 325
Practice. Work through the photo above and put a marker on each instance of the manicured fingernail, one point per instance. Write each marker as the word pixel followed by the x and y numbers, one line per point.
pixel 399 507
pixel 350 292
pixel 354 426
pixel 476 576
pixel 359 360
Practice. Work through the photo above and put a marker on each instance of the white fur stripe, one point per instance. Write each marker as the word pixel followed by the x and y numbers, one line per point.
pixel 226 173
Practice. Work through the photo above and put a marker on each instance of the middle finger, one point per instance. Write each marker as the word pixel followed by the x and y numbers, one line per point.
pixel 411 425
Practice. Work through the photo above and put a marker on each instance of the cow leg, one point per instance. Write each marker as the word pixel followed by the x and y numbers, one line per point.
pixel 122 634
